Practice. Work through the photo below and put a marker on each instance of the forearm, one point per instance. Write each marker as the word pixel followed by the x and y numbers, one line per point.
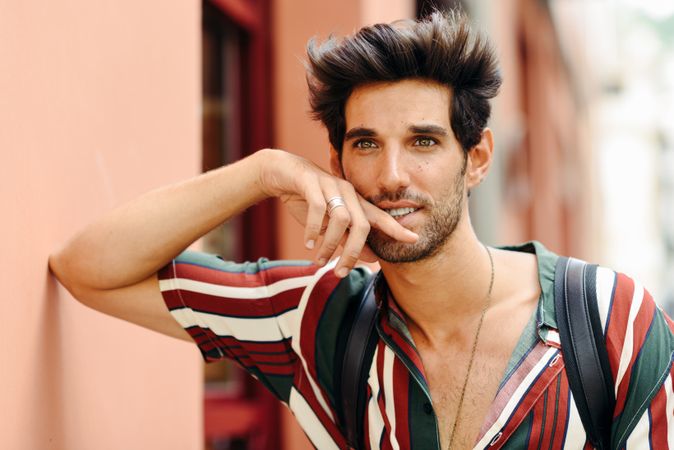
pixel 135 240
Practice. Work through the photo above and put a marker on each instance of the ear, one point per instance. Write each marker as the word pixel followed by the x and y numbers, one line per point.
pixel 335 163
pixel 479 159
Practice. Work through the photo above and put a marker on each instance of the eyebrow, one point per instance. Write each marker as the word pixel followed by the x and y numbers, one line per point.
pixel 359 132
pixel 428 129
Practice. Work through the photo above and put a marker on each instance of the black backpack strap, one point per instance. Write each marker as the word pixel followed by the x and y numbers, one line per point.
pixel 584 348
pixel 359 350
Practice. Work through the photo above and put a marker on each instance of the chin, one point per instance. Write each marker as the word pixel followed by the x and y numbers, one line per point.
pixel 395 252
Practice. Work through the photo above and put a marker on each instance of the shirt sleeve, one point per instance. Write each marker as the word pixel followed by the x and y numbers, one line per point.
pixel 640 344
pixel 244 312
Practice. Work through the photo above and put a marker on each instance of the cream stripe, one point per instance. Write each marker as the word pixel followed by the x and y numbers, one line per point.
pixel 311 425
pixel 375 419
pixel 628 344
pixel 389 396
pixel 605 282
pixel 297 331
pixel 638 438
pixel 514 401
pixel 553 336
pixel 245 329
pixel 234 291
pixel 669 411
pixel 575 433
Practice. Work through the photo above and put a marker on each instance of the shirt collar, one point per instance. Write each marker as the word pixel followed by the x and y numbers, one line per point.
pixel 545 315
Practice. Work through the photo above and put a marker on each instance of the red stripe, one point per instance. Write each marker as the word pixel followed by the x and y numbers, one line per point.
pixel 620 309
pixel 381 400
pixel 310 319
pixel 537 425
pixel 236 279
pixel 303 386
pixel 640 327
pixel 401 384
pixel 506 392
pixel 562 412
pixel 528 401
pixel 282 358
pixel 658 410
pixel 279 273
pixel 235 307
pixel 233 349
pixel 407 349
pixel 208 337
pixel 546 438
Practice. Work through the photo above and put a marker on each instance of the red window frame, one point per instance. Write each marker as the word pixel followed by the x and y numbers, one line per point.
pixel 251 413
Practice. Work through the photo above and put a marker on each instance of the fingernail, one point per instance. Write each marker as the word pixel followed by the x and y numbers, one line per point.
pixel 310 244
pixel 342 272
pixel 321 262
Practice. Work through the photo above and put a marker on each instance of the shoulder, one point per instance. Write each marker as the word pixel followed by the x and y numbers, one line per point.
pixel 628 310
pixel 640 344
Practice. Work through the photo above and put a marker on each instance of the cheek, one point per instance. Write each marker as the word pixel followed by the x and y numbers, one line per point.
pixel 361 184
pixel 356 178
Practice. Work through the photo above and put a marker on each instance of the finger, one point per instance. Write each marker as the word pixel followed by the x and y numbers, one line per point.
pixel 382 221
pixel 339 221
pixel 357 233
pixel 368 255
pixel 315 213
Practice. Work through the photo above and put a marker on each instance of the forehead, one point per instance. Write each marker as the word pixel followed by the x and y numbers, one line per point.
pixel 390 105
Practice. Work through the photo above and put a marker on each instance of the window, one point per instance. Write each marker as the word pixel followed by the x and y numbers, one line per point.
pixel 238 412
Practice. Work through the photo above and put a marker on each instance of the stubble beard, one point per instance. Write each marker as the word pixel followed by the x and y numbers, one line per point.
pixel 441 223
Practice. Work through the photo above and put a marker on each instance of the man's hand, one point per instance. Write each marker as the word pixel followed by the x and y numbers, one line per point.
pixel 306 189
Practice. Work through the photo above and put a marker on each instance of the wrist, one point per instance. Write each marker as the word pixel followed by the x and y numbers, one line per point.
pixel 266 163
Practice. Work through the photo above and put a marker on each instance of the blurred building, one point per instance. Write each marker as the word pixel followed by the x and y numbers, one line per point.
pixel 101 101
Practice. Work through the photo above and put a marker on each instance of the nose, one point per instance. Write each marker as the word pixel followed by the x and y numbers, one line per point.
pixel 392 171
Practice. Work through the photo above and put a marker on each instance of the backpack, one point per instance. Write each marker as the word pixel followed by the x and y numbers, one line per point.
pixel 582 341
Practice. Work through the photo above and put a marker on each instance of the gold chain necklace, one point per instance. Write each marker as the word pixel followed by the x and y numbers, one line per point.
pixel 472 353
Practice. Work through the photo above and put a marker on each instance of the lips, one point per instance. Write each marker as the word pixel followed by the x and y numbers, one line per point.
pixel 387 205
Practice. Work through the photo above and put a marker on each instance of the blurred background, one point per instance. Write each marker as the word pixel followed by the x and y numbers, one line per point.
pixel 101 101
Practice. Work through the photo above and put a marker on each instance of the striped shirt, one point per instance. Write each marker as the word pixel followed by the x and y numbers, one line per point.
pixel 282 322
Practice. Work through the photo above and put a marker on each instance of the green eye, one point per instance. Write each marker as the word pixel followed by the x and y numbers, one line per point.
pixel 364 144
pixel 425 142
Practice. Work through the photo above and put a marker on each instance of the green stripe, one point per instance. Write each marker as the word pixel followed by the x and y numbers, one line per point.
pixel 648 373
pixel 215 262
pixel 278 385
pixel 556 406
pixel 411 367
pixel 423 427
pixel 544 414
pixel 519 439
pixel 332 330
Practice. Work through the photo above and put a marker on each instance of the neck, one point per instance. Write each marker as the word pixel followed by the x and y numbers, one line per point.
pixel 440 294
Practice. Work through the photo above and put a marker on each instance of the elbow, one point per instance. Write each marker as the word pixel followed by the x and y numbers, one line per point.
pixel 55 266
pixel 59 267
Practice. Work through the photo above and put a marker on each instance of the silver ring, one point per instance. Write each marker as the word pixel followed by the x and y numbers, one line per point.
pixel 333 203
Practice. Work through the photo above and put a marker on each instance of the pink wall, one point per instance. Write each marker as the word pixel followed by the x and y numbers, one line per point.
pixel 98 103
pixel 294 22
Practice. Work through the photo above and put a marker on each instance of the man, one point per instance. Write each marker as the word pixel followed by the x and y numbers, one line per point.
pixel 468 351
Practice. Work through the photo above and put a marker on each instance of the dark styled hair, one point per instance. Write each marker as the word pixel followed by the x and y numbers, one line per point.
pixel 442 47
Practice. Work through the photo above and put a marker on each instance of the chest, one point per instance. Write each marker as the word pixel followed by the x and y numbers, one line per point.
pixel 448 382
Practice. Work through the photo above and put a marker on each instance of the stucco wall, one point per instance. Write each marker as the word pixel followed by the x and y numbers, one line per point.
pixel 98 103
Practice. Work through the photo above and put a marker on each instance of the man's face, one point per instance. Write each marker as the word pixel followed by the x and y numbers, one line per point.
pixel 400 154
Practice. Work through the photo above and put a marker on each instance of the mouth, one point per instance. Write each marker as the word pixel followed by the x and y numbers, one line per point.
pixel 399 213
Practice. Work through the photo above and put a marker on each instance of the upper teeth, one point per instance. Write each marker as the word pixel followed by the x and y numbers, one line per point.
pixel 400 211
